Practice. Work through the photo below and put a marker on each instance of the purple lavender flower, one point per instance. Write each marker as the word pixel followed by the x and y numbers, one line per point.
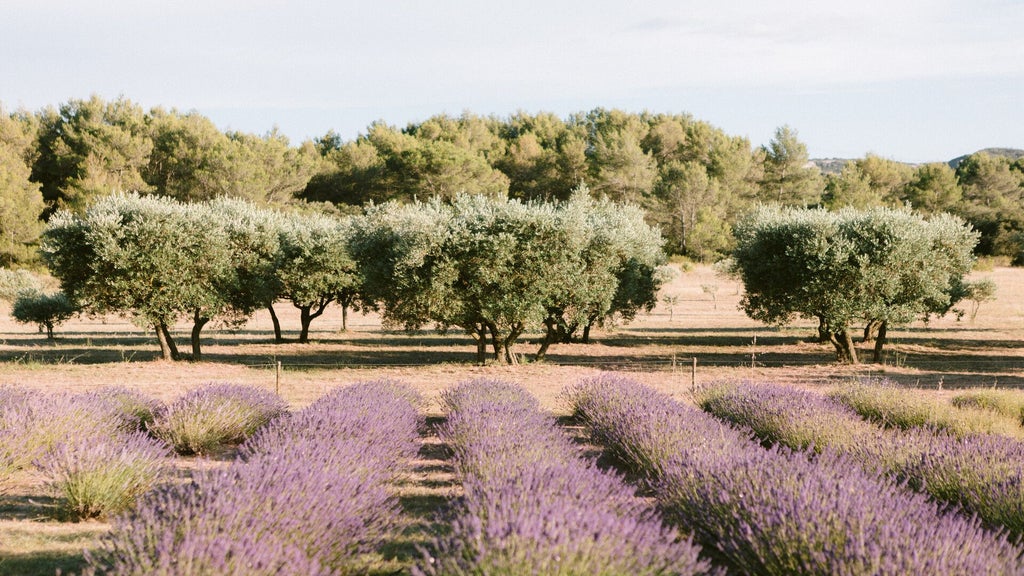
pixel 99 476
pixel 533 506
pixel 32 423
pixel 137 408
pixel 310 494
pixel 982 473
pixel 781 512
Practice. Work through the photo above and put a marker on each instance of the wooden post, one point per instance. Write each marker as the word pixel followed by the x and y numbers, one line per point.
pixel 277 379
pixel 693 375
pixel 753 352
pixel 673 362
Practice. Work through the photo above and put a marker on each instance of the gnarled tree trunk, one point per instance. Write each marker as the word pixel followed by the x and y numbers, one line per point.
pixel 168 350
pixel 198 321
pixel 845 351
pixel 277 324
pixel 871 330
pixel 479 332
pixel 307 314
pixel 823 332
pixel 880 340
pixel 550 334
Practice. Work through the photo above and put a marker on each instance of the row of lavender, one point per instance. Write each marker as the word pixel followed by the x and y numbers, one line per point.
pixel 100 450
pixel 978 411
pixel 778 511
pixel 982 473
pixel 310 493
pixel 532 505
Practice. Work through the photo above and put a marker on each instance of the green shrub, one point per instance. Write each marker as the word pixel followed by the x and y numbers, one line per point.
pixel 100 477
pixel 1009 403
pixel 892 406
pixel 215 416
pixel 46 310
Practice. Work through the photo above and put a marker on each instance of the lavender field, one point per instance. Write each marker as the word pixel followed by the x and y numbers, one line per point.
pixel 373 478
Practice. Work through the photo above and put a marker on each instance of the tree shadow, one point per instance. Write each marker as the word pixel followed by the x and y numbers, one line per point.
pixel 43 563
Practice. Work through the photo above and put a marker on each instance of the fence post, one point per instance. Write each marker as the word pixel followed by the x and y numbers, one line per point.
pixel 693 376
pixel 277 379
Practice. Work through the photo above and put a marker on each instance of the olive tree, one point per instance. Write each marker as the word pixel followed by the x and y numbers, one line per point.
pixel 254 240
pixel 148 258
pixel 45 310
pixel 882 265
pixel 613 257
pixel 14 282
pixel 497 268
pixel 509 257
pixel 407 274
pixel 315 267
pixel 481 264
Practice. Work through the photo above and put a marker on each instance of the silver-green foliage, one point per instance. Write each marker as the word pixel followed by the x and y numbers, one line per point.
pixel 150 258
pixel 497 268
pixel 315 267
pixel 14 282
pixel 889 265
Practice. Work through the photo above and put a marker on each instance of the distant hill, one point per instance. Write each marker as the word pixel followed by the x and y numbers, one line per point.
pixel 835 165
pixel 1011 153
pixel 830 165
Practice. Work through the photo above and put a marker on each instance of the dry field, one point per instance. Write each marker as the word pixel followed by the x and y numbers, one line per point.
pixel 656 348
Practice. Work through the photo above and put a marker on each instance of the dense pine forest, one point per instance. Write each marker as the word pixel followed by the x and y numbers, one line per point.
pixel 691 178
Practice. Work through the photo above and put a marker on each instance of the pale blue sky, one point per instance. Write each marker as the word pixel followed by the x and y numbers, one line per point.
pixel 915 80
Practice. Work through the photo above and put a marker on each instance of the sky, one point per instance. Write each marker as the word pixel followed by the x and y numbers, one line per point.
pixel 911 80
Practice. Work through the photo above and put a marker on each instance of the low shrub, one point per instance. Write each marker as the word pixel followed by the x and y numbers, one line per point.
pixel 1009 403
pixel 214 416
pixel 309 494
pixel 533 506
pixel 775 511
pixel 892 406
pixel 982 473
pixel 32 423
pixel 138 409
pixel 101 476
pixel 813 423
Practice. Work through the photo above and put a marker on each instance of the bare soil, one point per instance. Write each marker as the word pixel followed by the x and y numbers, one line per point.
pixel 657 348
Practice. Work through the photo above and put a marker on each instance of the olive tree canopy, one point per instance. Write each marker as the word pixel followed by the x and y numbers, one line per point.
pixel 883 265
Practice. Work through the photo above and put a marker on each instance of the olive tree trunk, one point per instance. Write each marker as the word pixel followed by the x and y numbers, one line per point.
pixel 168 349
pixel 479 333
pixel 198 322
pixel 843 343
pixel 871 330
pixel 308 313
pixel 880 340
pixel 278 338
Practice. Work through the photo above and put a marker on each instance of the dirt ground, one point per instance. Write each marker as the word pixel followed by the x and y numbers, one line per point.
pixel 705 323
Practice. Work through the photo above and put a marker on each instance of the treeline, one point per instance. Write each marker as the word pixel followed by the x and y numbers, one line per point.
pixel 494 268
pixel 692 179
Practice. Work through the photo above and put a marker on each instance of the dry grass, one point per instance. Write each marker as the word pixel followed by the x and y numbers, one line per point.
pixel 89 353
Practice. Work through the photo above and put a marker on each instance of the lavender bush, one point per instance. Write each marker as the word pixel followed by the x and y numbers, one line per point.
pixel 102 476
pixel 781 512
pixel 309 494
pixel 1009 403
pixel 32 423
pixel 532 506
pixel 137 409
pixel 215 415
pixel 892 406
pixel 982 473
